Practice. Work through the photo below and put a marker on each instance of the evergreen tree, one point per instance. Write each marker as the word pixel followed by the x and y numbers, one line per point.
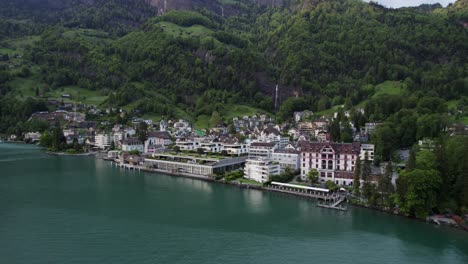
pixel 58 139
pixel 367 185
pixel 385 184
pixel 411 163
pixel 335 132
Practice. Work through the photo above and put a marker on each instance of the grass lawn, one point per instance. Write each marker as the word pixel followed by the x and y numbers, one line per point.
pixel 23 42
pixel 78 94
pixel 452 104
pixel 329 112
pixel 464 120
pixel 24 87
pixel 231 111
pixel 248 181
pixel 89 35
pixel 7 51
pixel 176 30
pixel 389 87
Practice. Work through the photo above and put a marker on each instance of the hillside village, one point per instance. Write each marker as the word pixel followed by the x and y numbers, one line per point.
pixel 254 145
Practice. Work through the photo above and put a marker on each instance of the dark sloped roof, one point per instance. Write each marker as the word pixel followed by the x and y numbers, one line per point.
pixel 132 141
pixel 159 134
pixel 271 130
pixel 339 148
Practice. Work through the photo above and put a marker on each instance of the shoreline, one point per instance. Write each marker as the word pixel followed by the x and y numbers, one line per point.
pixel 264 189
pixel 246 186
pixel 85 154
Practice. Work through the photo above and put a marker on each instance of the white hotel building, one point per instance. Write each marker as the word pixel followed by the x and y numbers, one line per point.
pixel 333 161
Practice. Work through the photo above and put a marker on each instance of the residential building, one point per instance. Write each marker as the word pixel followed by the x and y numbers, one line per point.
pixel 102 141
pixel 367 150
pixel 322 136
pixel 262 149
pixel 32 136
pixel 287 158
pixel 271 134
pixel 159 138
pixel 370 127
pixel 187 145
pixel 214 147
pixel 132 144
pixel 298 116
pixel 260 169
pixel 237 149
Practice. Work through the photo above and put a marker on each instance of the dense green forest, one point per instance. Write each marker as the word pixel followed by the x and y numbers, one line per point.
pixel 191 63
pixel 406 68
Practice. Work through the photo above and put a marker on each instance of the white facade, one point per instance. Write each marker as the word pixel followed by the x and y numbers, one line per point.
pixel 188 145
pixel 132 144
pixel 214 147
pixel 367 149
pixel 287 159
pixel 33 136
pixel 260 169
pixel 333 161
pixel 102 141
pixel 236 149
pixel 261 150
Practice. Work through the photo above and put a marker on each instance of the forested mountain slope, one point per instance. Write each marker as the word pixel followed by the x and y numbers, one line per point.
pixel 140 54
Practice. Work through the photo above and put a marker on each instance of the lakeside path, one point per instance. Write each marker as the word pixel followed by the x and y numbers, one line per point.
pixel 269 188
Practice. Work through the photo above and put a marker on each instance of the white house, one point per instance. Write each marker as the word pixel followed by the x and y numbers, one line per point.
pixel 102 141
pixel 236 148
pixel 33 136
pixel 187 145
pixel 214 147
pixel 129 132
pixel 259 169
pixel 262 149
pixel 131 144
pixel 271 134
pixel 367 149
pixel 287 158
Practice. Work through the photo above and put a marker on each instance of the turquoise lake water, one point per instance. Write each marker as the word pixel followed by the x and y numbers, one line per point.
pixel 56 209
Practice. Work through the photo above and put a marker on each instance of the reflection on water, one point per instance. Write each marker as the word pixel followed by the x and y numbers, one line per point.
pixel 256 201
pixel 74 207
